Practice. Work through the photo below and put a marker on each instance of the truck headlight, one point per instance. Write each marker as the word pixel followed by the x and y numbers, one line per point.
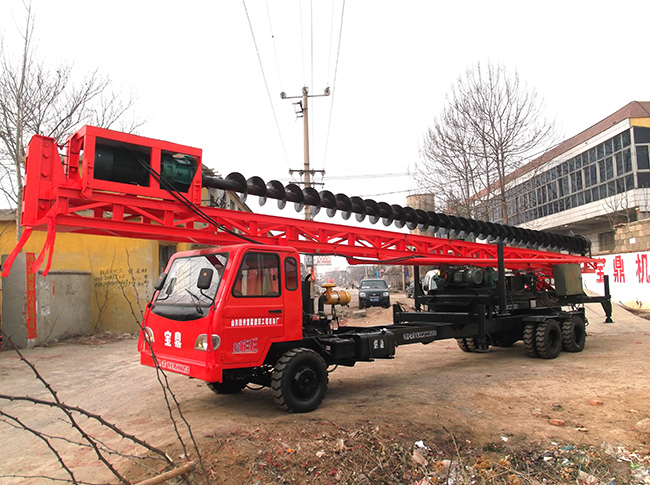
pixel 362 294
pixel 385 293
pixel 202 342
pixel 148 335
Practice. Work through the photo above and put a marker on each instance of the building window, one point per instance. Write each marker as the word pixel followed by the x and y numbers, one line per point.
pixel 606 241
pixel 625 138
pixel 602 171
pixel 642 159
pixel 643 180
pixel 165 252
pixel 641 135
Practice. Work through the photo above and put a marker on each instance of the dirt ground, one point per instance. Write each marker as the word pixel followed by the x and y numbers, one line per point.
pixel 433 414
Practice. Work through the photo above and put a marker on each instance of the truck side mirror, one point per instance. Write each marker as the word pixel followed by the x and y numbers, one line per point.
pixel 205 278
pixel 160 282
pixel 170 286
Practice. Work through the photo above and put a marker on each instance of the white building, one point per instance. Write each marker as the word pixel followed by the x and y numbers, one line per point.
pixel 589 183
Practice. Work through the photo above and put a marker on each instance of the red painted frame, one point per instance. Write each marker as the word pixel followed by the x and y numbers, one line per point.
pixel 65 196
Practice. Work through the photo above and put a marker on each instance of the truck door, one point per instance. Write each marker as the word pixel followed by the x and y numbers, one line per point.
pixel 254 314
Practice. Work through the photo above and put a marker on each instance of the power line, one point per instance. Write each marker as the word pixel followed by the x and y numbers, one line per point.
pixel 311 55
pixel 302 45
pixel 368 175
pixel 275 50
pixel 336 69
pixel 268 93
pixel 356 176
pixel 311 38
pixel 386 193
pixel 329 51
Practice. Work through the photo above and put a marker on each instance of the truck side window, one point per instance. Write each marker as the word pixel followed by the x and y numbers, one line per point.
pixel 258 275
pixel 290 274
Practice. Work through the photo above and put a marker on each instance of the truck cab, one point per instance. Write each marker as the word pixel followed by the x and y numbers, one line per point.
pixel 222 308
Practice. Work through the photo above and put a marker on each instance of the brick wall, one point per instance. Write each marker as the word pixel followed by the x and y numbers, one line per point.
pixel 631 237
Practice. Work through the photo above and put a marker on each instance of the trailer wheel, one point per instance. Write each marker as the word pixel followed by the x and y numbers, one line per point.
pixel 226 387
pixel 548 339
pixel 529 339
pixel 467 344
pixel 299 381
pixel 573 334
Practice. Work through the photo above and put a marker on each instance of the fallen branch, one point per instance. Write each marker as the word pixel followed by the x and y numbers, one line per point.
pixel 47 442
pixel 163 477
pixel 71 419
pixel 94 416
pixel 166 388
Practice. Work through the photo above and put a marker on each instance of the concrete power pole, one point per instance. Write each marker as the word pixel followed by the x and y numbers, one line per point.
pixel 302 110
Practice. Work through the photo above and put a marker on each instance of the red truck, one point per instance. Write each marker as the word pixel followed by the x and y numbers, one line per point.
pixel 241 311
pixel 241 314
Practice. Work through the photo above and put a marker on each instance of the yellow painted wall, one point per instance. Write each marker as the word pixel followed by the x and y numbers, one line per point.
pixel 113 262
pixel 644 122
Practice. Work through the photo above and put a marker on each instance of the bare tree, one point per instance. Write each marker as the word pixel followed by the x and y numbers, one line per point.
pixel 492 123
pixel 619 209
pixel 450 169
pixel 39 99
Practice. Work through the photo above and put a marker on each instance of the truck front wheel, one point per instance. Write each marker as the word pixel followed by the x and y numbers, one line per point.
pixel 299 381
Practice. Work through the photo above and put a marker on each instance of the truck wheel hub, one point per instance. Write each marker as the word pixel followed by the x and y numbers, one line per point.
pixel 305 382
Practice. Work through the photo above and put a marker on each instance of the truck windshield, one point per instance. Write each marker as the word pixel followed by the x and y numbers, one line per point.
pixel 376 284
pixel 181 287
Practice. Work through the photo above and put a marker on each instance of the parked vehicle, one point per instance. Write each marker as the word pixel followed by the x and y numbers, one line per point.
pixel 374 292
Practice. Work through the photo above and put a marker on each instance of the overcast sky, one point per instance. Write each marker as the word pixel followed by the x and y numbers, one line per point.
pixel 195 70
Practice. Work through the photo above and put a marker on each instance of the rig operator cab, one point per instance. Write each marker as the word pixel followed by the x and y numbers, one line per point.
pixel 223 308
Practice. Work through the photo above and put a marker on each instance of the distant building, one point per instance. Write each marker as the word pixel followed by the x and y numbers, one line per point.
pixel 589 183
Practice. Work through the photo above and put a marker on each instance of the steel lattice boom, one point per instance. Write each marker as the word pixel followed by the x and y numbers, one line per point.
pixel 116 184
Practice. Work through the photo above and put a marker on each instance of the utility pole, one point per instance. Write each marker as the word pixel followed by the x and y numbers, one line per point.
pixel 302 111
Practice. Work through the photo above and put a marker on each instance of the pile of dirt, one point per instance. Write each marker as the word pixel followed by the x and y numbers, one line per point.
pixel 639 312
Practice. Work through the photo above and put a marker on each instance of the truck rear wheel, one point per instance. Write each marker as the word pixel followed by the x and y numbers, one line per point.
pixel 299 381
pixel 529 339
pixel 467 344
pixel 226 387
pixel 574 334
pixel 548 339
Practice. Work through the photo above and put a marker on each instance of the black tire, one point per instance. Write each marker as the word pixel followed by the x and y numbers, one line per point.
pixel 387 305
pixel 574 334
pixel 299 381
pixel 548 339
pixel 529 339
pixel 467 344
pixel 361 306
pixel 226 387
